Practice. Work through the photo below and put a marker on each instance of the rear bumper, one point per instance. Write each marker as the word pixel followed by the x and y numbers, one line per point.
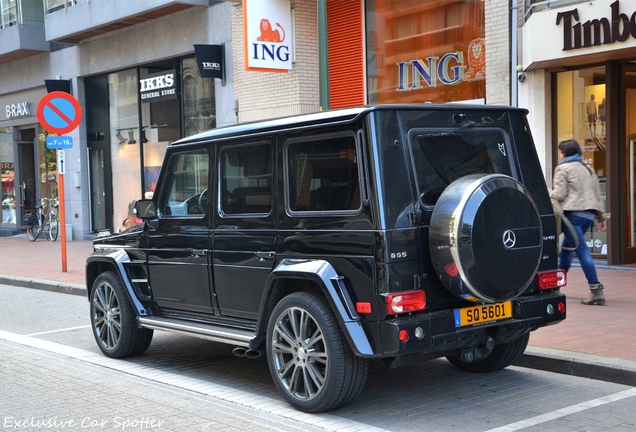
pixel 441 336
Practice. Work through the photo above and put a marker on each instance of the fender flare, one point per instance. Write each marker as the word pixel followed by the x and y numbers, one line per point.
pixel 332 285
pixel 117 258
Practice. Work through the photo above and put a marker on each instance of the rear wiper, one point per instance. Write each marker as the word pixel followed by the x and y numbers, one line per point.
pixel 451 132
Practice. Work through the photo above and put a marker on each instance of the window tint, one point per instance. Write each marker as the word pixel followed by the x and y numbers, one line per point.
pixel 323 175
pixel 440 158
pixel 246 179
pixel 186 190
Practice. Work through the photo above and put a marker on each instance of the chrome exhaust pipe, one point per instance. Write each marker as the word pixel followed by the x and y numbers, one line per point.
pixel 254 353
pixel 239 351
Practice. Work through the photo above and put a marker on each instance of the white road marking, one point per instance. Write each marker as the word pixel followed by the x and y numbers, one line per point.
pixel 563 412
pixel 261 403
pixel 59 330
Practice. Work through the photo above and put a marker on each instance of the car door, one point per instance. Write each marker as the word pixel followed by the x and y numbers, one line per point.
pixel 179 241
pixel 244 226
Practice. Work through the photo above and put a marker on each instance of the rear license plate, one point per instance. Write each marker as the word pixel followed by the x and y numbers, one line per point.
pixel 482 314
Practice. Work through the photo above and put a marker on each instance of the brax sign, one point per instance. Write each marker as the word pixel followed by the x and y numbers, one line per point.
pixel 268 35
pixel 618 27
pixel 21 109
pixel 158 86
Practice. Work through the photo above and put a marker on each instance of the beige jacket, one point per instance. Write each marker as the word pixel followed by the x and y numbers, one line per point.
pixel 576 188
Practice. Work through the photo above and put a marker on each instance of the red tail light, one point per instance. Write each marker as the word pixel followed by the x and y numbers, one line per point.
pixel 405 301
pixel 551 279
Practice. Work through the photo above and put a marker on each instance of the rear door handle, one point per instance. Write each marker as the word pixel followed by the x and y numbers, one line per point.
pixel 198 253
pixel 263 256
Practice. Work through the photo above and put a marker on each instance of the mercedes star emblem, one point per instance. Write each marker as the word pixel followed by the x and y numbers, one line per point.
pixel 509 239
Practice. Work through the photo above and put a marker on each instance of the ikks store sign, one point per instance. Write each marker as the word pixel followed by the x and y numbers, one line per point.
pixel 158 86
pixel 267 26
pixel 597 27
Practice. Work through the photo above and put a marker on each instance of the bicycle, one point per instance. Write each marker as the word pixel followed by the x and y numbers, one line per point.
pixel 37 221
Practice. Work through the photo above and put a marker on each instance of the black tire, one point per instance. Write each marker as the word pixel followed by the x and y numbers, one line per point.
pixel 33 231
pixel 312 374
pixel 53 228
pixel 113 320
pixel 501 356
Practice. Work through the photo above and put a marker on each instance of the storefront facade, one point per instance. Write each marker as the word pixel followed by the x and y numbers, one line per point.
pixel 27 168
pixel 140 88
pixel 579 81
pixel 132 116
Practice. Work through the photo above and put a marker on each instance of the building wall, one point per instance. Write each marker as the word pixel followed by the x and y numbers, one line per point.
pixel 269 94
pixel 497 52
pixel 162 38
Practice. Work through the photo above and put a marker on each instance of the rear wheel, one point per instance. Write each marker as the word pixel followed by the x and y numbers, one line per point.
pixel 113 319
pixel 53 227
pixel 33 231
pixel 501 356
pixel 310 361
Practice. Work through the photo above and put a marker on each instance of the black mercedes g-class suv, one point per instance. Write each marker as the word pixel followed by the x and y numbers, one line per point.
pixel 328 239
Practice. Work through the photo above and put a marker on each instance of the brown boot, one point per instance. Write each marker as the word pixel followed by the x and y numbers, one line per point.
pixel 596 295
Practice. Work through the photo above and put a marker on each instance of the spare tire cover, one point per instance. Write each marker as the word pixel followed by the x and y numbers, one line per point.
pixel 485 237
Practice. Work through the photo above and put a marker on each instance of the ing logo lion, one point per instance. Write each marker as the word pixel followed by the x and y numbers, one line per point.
pixel 268 34
pixel 476 60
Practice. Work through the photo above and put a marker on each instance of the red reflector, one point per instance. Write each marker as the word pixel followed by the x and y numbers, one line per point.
pixel 451 269
pixel 406 301
pixel 363 307
pixel 561 307
pixel 403 335
pixel 551 279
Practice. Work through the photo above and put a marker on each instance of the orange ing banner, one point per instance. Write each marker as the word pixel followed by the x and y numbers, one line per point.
pixel 425 51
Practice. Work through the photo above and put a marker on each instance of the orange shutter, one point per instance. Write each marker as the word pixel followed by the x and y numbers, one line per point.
pixel 345 46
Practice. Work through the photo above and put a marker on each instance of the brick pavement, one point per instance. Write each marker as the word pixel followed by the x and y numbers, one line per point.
pixel 607 331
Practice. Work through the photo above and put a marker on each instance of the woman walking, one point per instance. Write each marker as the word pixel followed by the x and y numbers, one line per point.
pixel 576 188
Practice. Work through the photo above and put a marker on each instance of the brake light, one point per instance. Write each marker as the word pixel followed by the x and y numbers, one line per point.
pixel 551 279
pixel 406 301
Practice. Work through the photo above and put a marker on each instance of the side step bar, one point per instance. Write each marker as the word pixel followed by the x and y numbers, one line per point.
pixel 214 333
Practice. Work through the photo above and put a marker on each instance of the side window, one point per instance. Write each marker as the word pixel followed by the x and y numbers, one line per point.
pixel 246 179
pixel 186 189
pixel 323 174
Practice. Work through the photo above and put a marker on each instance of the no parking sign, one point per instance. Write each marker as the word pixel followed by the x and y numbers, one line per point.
pixel 59 112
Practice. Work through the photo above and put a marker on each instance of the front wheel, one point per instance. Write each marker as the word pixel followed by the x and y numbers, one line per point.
pixel 309 359
pixel 53 227
pixel 501 356
pixel 113 320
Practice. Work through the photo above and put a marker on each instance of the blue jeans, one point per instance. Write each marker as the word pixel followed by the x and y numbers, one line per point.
pixel 581 226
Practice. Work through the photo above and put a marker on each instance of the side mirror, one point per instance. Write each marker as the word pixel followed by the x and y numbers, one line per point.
pixel 145 209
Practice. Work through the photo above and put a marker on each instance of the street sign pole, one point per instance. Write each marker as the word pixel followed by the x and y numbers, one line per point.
pixel 61 169
pixel 60 113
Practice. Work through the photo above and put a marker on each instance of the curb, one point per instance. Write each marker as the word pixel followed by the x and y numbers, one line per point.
pixel 44 284
pixel 582 365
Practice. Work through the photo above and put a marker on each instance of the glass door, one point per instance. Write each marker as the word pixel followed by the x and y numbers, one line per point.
pixel 629 227
pixel 100 193
pixel 27 181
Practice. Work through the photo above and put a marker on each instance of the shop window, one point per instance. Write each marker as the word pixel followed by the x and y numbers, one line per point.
pixel 582 115
pixel 124 143
pixel 424 51
pixel 199 107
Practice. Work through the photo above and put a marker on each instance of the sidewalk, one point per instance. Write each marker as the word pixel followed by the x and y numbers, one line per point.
pixel 594 341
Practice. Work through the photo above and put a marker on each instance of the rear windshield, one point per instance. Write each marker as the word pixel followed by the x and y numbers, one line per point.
pixel 440 157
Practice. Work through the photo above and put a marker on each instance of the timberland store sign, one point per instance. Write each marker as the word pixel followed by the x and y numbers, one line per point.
pixel 584 28
pixel 267 26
